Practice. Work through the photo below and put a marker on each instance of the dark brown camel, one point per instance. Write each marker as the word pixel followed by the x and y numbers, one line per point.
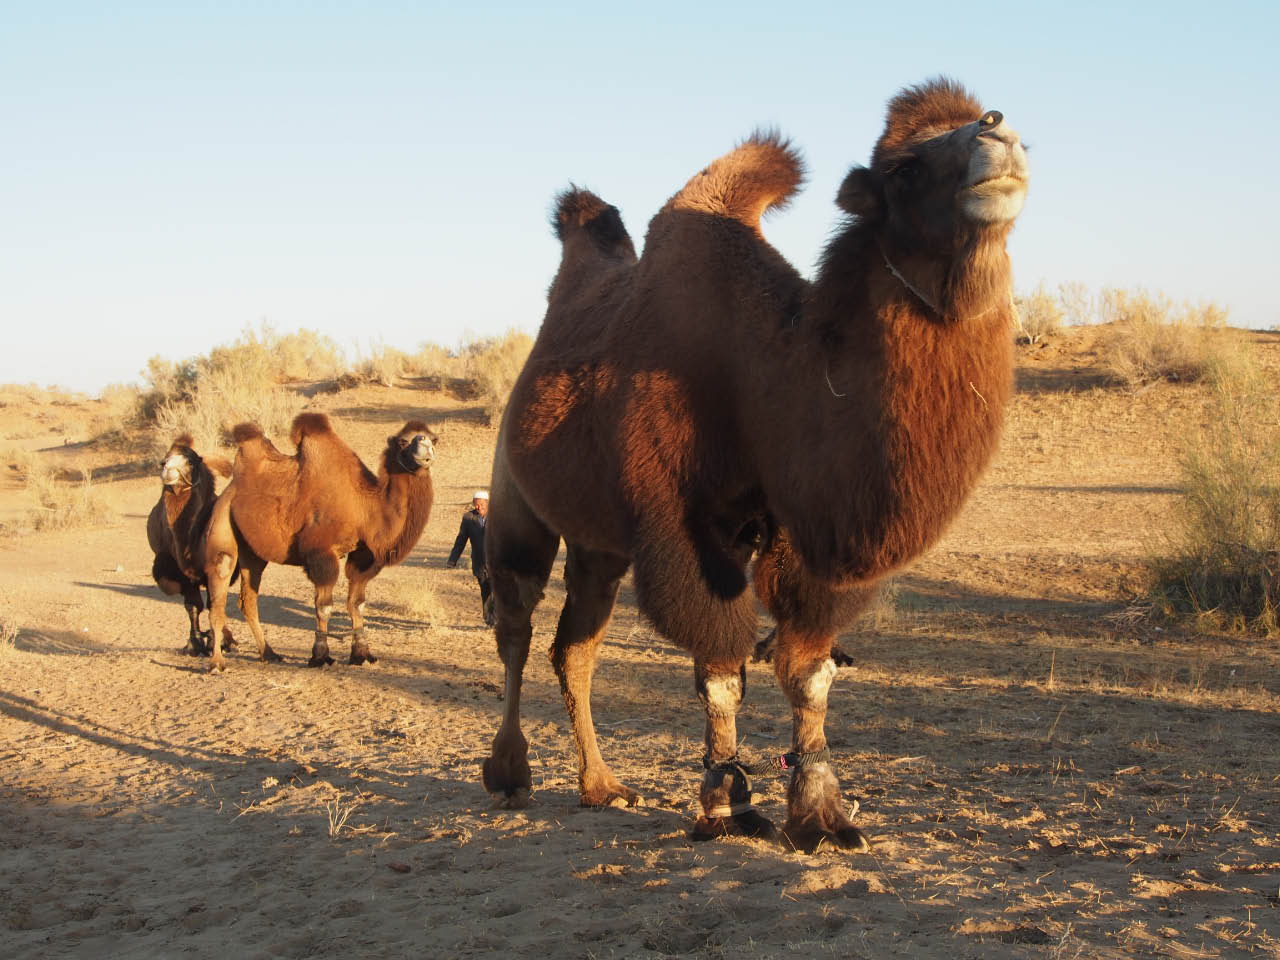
pixel 310 510
pixel 176 527
pixel 702 404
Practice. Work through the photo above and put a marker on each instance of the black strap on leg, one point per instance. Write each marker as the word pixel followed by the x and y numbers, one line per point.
pixel 791 760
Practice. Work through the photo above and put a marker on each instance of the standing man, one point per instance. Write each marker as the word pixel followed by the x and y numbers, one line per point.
pixel 472 529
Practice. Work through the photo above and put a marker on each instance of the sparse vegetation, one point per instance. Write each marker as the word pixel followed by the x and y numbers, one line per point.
pixel 1224 563
pixel 1039 316
pixel 411 595
pixel 61 505
pixel 1152 338
pixel 493 364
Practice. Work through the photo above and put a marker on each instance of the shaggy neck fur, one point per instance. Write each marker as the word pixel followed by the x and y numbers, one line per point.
pixel 914 405
pixel 404 504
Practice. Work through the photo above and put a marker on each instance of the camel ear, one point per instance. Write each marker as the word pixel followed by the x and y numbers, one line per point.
pixel 858 194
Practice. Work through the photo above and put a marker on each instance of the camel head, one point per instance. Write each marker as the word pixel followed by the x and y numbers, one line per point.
pixel 412 449
pixel 945 173
pixel 180 464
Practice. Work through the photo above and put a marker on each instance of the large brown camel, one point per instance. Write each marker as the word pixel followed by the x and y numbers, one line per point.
pixel 310 510
pixel 702 404
pixel 176 527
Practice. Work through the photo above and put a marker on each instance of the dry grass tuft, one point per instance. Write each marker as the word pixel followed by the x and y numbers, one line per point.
pixel 1039 316
pixel 1152 338
pixel 493 364
pixel 411 597
pixel 58 505
pixel 1223 567
pixel 380 365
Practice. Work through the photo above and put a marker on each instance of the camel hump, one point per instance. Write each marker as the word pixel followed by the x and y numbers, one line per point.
pixel 244 432
pixel 308 425
pixel 762 173
pixel 579 211
pixel 184 440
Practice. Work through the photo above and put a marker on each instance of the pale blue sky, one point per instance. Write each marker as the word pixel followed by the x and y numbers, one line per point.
pixel 382 172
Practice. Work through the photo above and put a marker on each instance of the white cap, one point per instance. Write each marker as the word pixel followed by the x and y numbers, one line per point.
pixel 480 495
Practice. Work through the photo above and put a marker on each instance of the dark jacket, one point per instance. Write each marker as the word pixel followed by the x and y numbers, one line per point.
pixel 472 529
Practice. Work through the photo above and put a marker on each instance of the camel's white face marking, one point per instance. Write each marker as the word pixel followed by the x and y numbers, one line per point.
pixel 996 185
pixel 421 450
pixel 176 471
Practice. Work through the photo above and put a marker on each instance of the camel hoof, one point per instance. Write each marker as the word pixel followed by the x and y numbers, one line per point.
pixel 507 782
pixel 517 799
pixel 747 824
pixel 763 652
pixel 361 655
pixel 841 658
pixel 194 648
pixel 613 795
pixel 808 838
pixel 217 664
pixel 324 661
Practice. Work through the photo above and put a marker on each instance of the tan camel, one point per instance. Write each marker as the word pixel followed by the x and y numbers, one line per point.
pixel 176 527
pixel 310 510
pixel 705 403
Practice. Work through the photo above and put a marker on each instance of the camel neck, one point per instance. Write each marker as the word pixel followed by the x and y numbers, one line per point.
pixel 895 413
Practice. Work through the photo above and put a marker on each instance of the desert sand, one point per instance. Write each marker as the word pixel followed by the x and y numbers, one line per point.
pixel 1044 771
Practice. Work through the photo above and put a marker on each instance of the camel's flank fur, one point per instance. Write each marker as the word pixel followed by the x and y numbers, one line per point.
pixel 704 405
pixel 312 510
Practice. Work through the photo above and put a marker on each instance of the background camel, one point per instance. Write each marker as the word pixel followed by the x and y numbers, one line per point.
pixel 312 509
pixel 703 404
pixel 175 528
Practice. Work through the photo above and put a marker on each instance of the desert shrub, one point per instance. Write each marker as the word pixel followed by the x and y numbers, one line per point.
pixel 380 364
pixel 59 505
pixel 493 364
pixel 307 355
pixel 412 597
pixel 1223 565
pixel 435 361
pixel 1153 338
pixel 1039 316
pixel 1079 306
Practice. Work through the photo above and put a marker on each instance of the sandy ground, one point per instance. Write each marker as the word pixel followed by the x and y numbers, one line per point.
pixel 1043 773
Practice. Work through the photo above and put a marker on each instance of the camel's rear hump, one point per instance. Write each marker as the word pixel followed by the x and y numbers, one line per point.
pixel 762 173
pixel 580 212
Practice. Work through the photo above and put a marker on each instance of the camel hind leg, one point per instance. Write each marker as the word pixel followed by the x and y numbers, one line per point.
pixel 251 567
pixel 322 571
pixel 520 550
pixel 172 581
pixel 591 581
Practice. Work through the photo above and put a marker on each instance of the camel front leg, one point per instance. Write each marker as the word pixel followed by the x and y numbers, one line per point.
pixel 194 602
pixel 322 571
pixel 357 583
pixel 725 794
pixel 816 811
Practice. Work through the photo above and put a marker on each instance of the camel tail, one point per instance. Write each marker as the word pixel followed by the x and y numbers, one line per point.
pixel 243 432
pixel 579 212
pixel 761 174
